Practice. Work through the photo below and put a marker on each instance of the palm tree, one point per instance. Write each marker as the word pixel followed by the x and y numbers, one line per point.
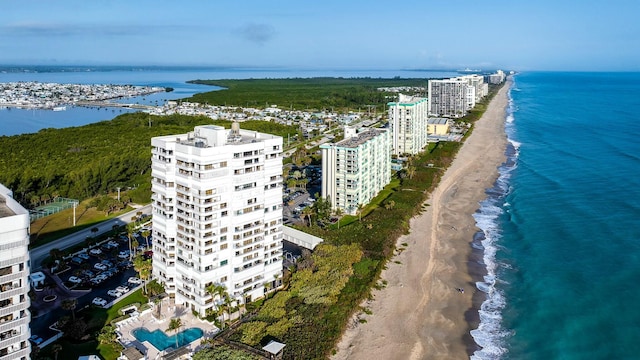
pixel 216 291
pixel 56 348
pixel 143 267
pixel 70 304
pixel 339 214
pixel 174 325
pixel 307 212
pixel 146 234
pixel 360 210
pixel 131 229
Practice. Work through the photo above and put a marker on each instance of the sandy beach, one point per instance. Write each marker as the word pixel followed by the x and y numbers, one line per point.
pixel 420 314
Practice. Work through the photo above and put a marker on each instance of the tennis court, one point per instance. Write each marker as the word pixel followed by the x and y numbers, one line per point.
pixel 57 205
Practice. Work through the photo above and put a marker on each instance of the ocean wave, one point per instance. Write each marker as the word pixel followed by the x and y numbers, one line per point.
pixel 490 335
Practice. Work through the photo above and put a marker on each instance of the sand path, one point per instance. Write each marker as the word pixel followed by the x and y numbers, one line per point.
pixel 420 314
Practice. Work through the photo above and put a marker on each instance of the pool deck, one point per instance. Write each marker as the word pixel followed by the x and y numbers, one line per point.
pixel 147 320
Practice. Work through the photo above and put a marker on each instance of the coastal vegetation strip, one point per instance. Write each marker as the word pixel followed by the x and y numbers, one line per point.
pixel 307 93
pixel 313 320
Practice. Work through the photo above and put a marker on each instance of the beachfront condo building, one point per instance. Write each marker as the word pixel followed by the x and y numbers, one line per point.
pixel 408 121
pixel 497 78
pixel 14 278
pixel 356 168
pixel 478 87
pixel 449 98
pixel 217 214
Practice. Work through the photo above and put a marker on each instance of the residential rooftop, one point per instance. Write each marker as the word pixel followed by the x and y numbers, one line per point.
pixel 360 138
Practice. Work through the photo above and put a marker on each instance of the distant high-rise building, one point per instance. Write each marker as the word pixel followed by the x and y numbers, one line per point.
pixel 355 169
pixel 497 78
pixel 217 214
pixel 14 278
pixel 408 121
pixel 448 98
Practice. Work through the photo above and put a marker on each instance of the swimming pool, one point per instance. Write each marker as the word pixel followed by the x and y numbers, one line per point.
pixel 161 341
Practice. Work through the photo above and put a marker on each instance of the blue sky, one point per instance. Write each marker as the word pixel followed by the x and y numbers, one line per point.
pixel 451 34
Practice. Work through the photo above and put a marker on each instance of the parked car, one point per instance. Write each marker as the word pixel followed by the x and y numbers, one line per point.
pixel 124 254
pixel 100 266
pixel 122 289
pixel 75 280
pixel 114 293
pixel 95 252
pixel 108 263
pixel 112 243
pixel 83 255
pixel 88 273
pixel 98 301
pixel 134 280
pixel 77 260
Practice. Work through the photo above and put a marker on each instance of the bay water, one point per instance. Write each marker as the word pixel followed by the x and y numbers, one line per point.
pixel 561 227
pixel 15 121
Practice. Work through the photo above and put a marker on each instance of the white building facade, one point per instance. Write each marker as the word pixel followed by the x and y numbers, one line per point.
pixel 217 214
pixel 14 278
pixel 355 169
pixel 448 98
pixel 408 121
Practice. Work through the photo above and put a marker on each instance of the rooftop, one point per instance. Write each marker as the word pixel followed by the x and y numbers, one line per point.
pixel 359 139
pixel 437 121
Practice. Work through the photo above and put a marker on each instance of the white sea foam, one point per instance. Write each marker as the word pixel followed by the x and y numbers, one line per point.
pixel 490 335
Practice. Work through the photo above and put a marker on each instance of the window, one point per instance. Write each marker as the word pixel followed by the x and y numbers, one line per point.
pixel 223 246
pixel 224 262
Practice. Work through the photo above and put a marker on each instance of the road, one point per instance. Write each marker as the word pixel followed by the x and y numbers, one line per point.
pixel 41 252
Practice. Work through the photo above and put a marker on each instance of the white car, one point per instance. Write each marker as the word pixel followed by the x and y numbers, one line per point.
pixel 75 280
pixel 99 301
pixel 114 293
pixel 95 252
pixel 122 289
pixel 100 266
pixel 113 243
pixel 134 280
pixel 124 254
pixel 83 255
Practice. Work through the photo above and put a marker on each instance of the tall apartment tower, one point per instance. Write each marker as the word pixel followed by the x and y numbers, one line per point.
pixel 14 278
pixel 355 169
pixel 408 121
pixel 217 214
pixel 449 98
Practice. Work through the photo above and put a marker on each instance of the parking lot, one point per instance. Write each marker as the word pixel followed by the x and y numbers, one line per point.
pixel 103 271
pixel 295 200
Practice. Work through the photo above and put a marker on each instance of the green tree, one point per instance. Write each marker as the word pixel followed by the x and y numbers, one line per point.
pixel 222 352
pixel 70 305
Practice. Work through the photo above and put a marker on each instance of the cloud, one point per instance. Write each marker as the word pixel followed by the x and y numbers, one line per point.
pixel 257 33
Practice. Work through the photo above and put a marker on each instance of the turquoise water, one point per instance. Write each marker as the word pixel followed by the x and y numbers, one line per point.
pixel 562 225
pixel 161 341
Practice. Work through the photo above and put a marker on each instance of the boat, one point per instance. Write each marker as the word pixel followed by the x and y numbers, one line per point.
pixel 59 108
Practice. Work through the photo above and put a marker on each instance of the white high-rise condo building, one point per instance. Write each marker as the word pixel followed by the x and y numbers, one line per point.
pixel 14 278
pixel 355 169
pixel 217 214
pixel 448 98
pixel 408 121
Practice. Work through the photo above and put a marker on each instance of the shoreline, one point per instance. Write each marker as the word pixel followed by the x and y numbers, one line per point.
pixel 420 314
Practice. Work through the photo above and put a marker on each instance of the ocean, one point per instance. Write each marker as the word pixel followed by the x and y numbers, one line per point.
pixel 561 226
pixel 15 121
